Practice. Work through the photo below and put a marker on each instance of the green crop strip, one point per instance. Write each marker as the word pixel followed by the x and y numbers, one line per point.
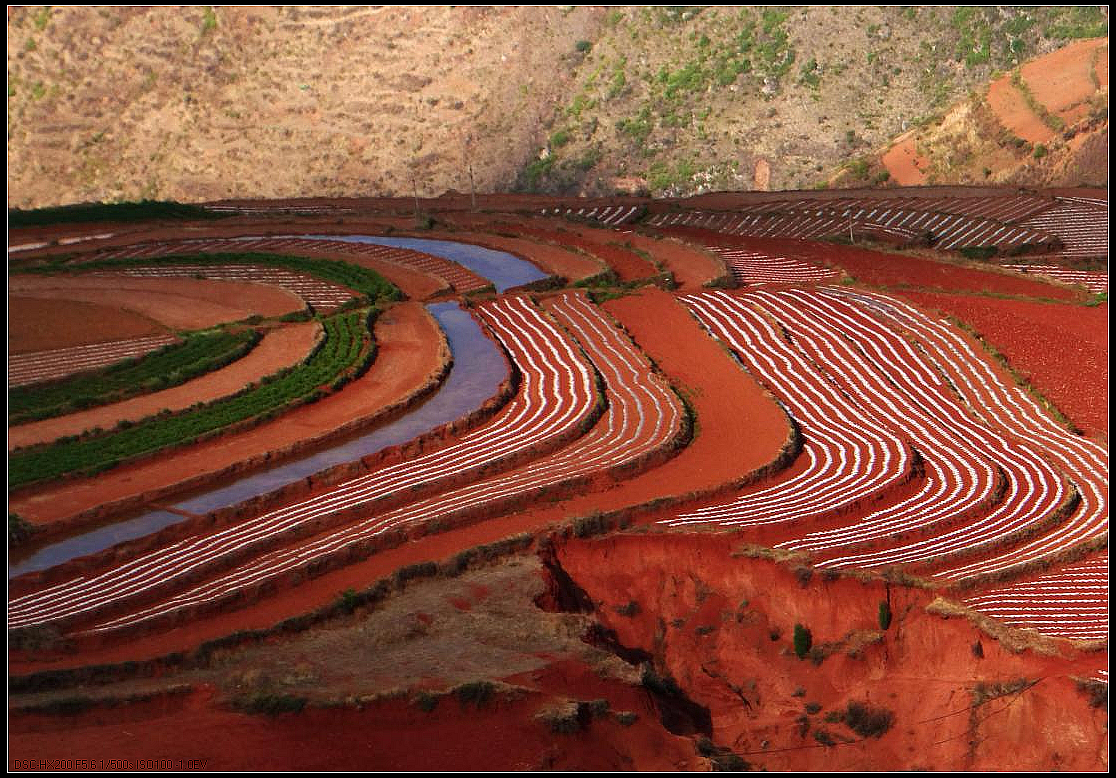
pixel 343 354
pixel 169 366
pixel 367 282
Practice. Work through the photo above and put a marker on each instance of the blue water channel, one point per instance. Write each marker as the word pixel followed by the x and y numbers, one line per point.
pixel 478 369
pixel 503 269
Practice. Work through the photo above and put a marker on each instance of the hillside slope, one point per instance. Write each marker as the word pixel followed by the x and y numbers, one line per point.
pixel 204 103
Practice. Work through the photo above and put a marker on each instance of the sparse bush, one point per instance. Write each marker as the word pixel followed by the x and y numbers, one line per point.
pixel 476 693
pixel 1040 150
pixel 271 704
pixel 19 530
pixel 884 615
pixel 868 721
pixel 347 601
pixel 631 608
pixel 802 641
pixel 583 46
pixel 625 718
pixel 823 737
pixel 426 701
pixel 813 707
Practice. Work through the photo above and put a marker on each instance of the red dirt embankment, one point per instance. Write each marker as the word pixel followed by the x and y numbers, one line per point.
pixel 1061 349
pixel 178 303
pixel 391 734
pixel 1063 79
pixel 279 348
pixel 1012 110
pixel 411 354
pixel 723 627
pixel 36 324
pixel 903 162
pixel 692 266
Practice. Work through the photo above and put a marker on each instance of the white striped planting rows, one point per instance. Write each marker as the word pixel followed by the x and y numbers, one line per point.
pixel 992 207
pixel 555 396
pixel 1093 280
pixel 321 295
pixel 1013 413
pixel 848 337
pixel 284 209
pixel 612 215
pixel 1082 226
pixel 906 392
pixel 949 231
pixel 1070 603
pixel 459 277
pixel 754 267
pixel 643 415
pixel 61 242
pixel 47 365
pixel 850 458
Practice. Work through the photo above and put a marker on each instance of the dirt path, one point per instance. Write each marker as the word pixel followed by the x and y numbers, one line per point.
pixel 279 348
pixel 178 303
pixel 45 324
pixel 410 351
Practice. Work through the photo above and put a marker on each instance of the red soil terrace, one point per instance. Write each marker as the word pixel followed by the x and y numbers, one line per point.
pixel 36 324
pixel 714 620
pixel 1062 350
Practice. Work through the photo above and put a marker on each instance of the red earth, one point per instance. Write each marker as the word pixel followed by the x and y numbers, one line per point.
pixel 717 621
pixel 36 324
pixel 410 352
pixel 178 303
pixel 903 162
pixel 1061 349
pixel 279 348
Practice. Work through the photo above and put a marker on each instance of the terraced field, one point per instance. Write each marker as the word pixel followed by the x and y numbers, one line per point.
pixel 915 459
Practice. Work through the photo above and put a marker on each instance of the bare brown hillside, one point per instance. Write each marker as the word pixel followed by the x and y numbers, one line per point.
pixel 202 103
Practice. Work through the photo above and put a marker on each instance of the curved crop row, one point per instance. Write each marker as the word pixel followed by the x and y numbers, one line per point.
pixel 169 366
pixel 1071 602
pixel 335 361
pixel 963 512
pixel 850 456
pixel 359 279
pixel 38 366
pixel 556 399
pixel 643 418
pixel 1012 412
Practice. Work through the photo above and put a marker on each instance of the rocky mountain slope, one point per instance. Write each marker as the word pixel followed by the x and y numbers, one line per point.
pixel 202 103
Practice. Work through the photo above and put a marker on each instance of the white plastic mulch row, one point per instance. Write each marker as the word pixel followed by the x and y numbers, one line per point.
pixel 1093 280
pixel 612 215
pixel 1081 224
pixel 555 395
pixel 948 230
pixel 1071 602
pixel 642 415
pixel 848 457
pixel 38 366
pixel 323 296
pixel 754 267
pixel 1013 413
pixel 896 386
